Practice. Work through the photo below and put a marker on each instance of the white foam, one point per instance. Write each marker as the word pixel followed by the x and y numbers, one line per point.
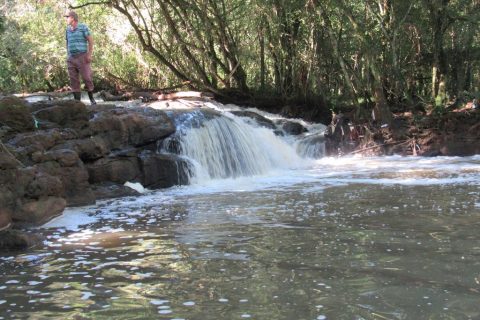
pixel 321 174
pixel 135 186
pixel 71 219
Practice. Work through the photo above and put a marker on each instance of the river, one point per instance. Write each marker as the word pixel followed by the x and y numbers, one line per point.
pixel 333 238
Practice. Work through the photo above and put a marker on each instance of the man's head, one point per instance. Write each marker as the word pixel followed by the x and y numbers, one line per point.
pixel 71 14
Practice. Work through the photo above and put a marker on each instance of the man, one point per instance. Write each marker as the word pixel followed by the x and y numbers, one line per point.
pixel 80 49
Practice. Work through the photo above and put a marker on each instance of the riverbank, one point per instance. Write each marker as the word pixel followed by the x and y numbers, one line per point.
pixel 453 133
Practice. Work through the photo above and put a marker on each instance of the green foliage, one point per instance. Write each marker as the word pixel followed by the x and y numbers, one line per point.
pixel 375 52
pixel 30 49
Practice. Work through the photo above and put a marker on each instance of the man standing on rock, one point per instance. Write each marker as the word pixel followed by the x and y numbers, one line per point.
pixel 79 49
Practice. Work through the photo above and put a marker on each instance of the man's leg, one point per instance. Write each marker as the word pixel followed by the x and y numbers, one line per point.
pixel 74 75
pixel 86 73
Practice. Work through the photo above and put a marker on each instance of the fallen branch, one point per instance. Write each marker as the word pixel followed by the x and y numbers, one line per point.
pixel 49 95
pixel 152 96
pixel 184 94
pixel 382 145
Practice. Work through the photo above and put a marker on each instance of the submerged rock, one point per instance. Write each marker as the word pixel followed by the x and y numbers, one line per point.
pixel 13 240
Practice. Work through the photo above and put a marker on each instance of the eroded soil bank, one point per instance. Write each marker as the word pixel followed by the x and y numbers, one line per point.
pixel 446 134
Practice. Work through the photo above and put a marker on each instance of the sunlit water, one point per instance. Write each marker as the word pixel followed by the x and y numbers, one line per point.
pixel 348 238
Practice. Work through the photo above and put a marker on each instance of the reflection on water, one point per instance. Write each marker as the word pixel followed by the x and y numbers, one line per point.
pixel 392 238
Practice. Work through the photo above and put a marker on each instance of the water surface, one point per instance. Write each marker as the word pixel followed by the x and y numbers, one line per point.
pixel 348 238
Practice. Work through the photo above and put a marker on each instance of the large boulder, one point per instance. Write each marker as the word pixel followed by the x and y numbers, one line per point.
pixel 163 171
pixel 67 113
pixel 88 149
pixel 29 196
pixel 40 211
pixel 117 169
pixel 64 157
pixel 25 144
pixel 74 181
pixel 15 114
pixel 131 127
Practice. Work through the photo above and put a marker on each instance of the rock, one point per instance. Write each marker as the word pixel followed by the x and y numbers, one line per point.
pixel 5 218
pixel 39 211
pixel 163 171
pixel 338 137
pixel 15 113
pixel 65 157
pixel 87 149
pixel 119 169
pixel 7 160
pixel 292 127
pixel 312 146
pixel 147 127
pixel 8 194
pixel 13 240
pixel 259 119
pixel 42 185
pixel 25 144
pixel 29 195
pixel 73 181
pixel 132 127
pixel 67 113
pixel 110 190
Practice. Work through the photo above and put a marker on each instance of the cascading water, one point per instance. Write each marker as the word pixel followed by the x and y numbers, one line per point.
pixel 312 146
pixel 222 146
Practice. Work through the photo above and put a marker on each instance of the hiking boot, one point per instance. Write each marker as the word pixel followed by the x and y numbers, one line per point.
pixel 90 96
pixel 77 96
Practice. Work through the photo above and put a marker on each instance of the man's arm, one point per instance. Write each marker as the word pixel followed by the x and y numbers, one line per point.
pixel 90 48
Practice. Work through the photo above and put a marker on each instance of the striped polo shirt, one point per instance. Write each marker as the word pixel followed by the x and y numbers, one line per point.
pixel 76 39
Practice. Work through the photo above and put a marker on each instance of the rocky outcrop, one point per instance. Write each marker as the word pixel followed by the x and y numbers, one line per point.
pixel 454 134
pixel 15 115
pixel 55 154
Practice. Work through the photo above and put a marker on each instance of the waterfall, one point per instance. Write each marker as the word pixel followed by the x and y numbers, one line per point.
pixel 222 146
pixel 312 146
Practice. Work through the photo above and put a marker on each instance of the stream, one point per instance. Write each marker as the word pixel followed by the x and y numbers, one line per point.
pixel 269 228
pixel 347 238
